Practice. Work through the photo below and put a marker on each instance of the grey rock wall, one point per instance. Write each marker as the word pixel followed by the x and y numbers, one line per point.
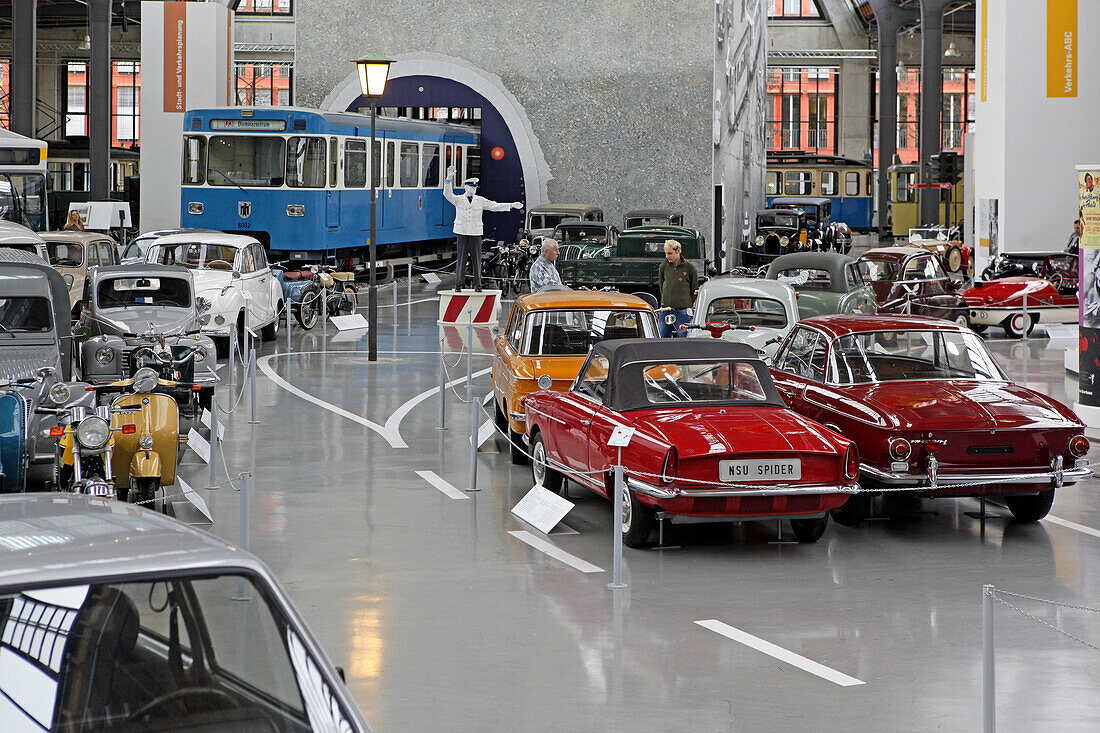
pixel 618 92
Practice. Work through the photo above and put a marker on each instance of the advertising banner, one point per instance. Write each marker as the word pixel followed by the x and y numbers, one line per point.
pixel 1062 49
pixel 1088 211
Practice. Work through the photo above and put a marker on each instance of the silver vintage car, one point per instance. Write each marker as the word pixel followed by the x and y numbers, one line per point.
pixel 114 617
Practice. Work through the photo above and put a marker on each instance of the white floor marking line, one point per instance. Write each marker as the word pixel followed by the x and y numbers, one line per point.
pixel 1071 525
pixel 779 653
pixel 437 481
pixel 394 422
pixel 560 555
pixel 391 436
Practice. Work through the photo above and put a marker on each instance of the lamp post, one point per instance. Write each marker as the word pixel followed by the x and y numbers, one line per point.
pixel 373 73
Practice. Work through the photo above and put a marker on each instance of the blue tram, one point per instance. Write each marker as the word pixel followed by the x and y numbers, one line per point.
pixel 847 182
pixel 297 180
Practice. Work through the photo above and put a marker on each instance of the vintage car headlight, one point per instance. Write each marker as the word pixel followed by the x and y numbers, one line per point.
pixel 202 304
pixel 60 393
pixel 219 320
pixel 900 449
pixel 545 382
pixel 1078 446
pixel 204 319
pixel 105 355
pixel 145 380
pixel 146 442
pixel 93 432
pixel 783 241
pixel 759 240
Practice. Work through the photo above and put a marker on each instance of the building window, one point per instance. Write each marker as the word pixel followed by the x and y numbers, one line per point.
pixel 263 84
pixel 793 9
pixel 802 108
pixel 791 121
pixel 125 101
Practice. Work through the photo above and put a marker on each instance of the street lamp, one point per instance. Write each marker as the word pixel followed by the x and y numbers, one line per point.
pixel 373 73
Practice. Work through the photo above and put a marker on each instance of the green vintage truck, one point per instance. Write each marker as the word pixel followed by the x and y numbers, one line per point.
pixel 631 264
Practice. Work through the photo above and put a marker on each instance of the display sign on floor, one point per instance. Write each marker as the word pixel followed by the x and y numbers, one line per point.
pixel 542 508
pixel 350 323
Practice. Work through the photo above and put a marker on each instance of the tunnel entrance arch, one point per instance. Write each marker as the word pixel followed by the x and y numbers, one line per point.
pixel 438 80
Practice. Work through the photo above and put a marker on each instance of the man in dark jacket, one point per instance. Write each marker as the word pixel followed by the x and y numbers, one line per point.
pixel 679 281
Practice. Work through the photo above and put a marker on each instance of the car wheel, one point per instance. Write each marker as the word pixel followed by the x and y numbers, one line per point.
pixel 953 258
pixel 853 511
pixel 1030 508
pixel 637 520
pixel 543 474
pixel 1016 326
pixel 807 531
pixel 978 328
pixel 271 330
pixel 962 319
pixel 970 267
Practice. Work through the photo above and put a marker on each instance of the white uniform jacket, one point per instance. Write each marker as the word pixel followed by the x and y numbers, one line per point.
pixel 468 213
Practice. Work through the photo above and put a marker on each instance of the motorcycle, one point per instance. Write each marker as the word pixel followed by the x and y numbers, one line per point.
pixel 86 439
pixel 337 288
pixel 175 365
pixel 301 291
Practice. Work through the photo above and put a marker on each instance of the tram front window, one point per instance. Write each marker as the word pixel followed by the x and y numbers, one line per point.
pixel 23 199
pixel 245 160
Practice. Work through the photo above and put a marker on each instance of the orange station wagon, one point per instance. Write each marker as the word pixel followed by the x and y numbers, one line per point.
pixel 547 339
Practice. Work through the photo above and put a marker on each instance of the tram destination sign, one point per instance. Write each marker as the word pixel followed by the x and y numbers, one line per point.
pixel 253 124
pixel 912 186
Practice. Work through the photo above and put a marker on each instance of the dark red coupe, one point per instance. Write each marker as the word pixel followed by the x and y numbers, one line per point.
pixel 712 440
pixel 931 411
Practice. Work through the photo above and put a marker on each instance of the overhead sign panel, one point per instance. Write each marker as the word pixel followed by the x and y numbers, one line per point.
pixel 1062 48
pixel 251 124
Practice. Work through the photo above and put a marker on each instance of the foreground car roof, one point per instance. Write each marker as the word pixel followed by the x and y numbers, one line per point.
pixel 47 539
pixel 579 299
pixel 207 237
pixel 842 325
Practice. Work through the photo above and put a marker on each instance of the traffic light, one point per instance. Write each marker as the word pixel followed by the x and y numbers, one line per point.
pixel 947 167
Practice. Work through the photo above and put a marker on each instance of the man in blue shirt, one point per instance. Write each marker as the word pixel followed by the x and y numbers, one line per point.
pixel 544 276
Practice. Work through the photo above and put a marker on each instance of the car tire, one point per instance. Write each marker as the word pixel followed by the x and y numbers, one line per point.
pixel 1030 508
pixel 637 520
pixel 543 474
pixel 953 259
pixel 1014 325
pixel 853 511
pixel 978 328
pixel 143 490
pixel 271 331
pixel 962 319
pixel 807 531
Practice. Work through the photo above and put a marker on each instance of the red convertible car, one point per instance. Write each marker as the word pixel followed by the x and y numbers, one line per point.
pixel 1051 298
pixel 713 439
pixel 931 411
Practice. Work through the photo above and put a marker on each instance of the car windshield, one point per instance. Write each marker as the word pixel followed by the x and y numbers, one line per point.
pixel 135 250
pixel 890 356
pixel 190 653
pixel 786 221
pixel 805 278
pixel 878 270
pixel 705 381
pixel 120 292
pixel 25 314
pixel 195 255
pixel 573 332
pixel 65 254
pixel 743 312
pixel 549 221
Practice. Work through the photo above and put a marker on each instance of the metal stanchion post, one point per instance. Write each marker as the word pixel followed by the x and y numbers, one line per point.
pixel 252 384
pixel 989 689
pixel 473 404
pixel 409 286
pixel 214 443
pixel 324 312
pixel 617 515
pixel 246 501
pixel 442 388
pixel 232 359
pixel 1027 321
pixel 288 309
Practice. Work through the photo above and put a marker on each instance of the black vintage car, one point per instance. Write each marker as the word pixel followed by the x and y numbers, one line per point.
pixel 778 232
pixel 825 234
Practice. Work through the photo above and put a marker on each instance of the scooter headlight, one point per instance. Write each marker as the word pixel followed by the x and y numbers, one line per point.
pixel 146 442
pixel 93 432
pixel 105 355
pixel 145 380
pixel 60 393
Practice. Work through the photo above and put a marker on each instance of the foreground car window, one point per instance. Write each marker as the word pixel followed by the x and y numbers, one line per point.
pixel 25 314
pixel 195 255
pixel 712 381
pixel 745 312
pixel 573 332
pixel 125 291
pixel 65 255
pixel 183 654
pixel 886 356
pixel 805 278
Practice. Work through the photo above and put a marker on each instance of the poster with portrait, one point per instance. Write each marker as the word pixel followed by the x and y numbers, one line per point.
pixel 1088 211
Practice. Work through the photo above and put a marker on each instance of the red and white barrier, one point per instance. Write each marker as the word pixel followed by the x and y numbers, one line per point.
pixel 466 306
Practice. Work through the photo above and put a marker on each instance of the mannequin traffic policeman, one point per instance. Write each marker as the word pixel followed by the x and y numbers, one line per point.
pixel 468 227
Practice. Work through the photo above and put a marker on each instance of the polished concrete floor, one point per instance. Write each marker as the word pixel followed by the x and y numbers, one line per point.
pixel 446 619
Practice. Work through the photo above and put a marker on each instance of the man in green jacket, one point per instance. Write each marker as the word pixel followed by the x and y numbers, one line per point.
pixel 679 281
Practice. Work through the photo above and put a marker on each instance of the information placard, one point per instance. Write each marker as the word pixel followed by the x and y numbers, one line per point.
pixel 350 322
pixel 542 508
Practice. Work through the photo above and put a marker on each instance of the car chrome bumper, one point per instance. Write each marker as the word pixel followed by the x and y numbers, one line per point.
pixel 1045 313
pixel 934 479
pixel 675 492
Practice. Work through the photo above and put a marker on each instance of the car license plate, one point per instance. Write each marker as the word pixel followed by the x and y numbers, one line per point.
pixel 785 469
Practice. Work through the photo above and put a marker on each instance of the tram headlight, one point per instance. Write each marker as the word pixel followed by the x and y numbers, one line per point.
pixel 93 432
pixel 194 207
pixel 295 210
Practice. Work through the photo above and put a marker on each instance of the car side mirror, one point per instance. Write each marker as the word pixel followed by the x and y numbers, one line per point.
pixel 69 280
pixel 44 372
pixel 343 676
pixel 236 274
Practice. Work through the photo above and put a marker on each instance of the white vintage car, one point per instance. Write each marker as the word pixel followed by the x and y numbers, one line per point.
pixel 755 311
pixel 234 285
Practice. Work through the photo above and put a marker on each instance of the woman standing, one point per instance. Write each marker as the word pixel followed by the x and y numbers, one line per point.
pixel 74 222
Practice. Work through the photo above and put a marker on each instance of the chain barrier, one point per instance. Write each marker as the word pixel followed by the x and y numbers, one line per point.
pixel 1022 612
pixel 1043 600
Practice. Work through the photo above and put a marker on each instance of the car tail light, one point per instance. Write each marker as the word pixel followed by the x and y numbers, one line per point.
pixel 670 466
pixel 1078 446
pixel 129 429
pixel 900 449
pixel 57 431
pixel 851 463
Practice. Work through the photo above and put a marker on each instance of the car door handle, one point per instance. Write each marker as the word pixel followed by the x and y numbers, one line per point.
pixel 586 422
